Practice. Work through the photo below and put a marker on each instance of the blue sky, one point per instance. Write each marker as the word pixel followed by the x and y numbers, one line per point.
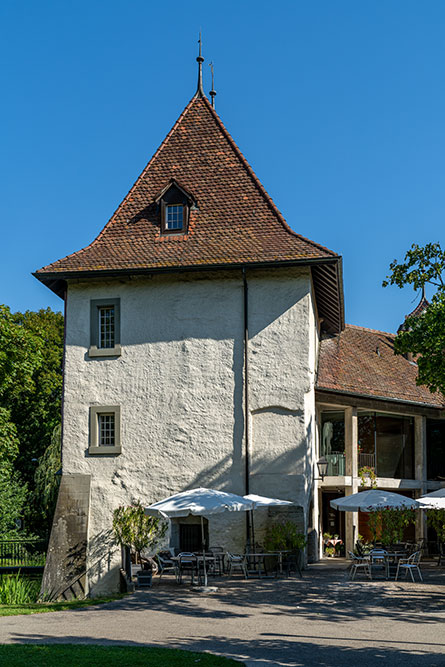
pixel 339 107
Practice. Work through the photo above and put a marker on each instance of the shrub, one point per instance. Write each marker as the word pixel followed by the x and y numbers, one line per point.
pixel 284 536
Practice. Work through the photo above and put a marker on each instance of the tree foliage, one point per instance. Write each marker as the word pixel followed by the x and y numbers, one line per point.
pixel 424 335
pixel 387 525
pixel 436 519
pixel 13 497
pixel 45 478
pixel 31 348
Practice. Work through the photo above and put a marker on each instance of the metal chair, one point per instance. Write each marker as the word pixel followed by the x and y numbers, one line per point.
pixel 187 564
pixel 165 563
pixel 409 565
pixel 218 553
pixel 291 563
pixel 358 563
pixel 379 559
pixel 236 561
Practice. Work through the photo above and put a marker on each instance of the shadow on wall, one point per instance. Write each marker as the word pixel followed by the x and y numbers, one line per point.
pixel 103 562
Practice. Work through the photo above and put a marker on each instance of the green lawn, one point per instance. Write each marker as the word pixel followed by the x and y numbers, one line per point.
pixel 70 655
pixel 41 607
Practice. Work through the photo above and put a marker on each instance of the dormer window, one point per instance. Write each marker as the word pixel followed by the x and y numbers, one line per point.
pixel 174 217
pixel 174 206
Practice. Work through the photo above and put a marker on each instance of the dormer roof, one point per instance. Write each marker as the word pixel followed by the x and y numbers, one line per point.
pixel 233 221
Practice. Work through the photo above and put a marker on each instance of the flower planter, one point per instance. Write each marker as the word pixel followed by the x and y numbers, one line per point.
pixel 144 578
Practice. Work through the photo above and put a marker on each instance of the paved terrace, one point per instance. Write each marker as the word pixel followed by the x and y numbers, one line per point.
pixel 321 620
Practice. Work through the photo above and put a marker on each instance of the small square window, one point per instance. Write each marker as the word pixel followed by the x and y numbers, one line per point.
pixel 174 217
pixel 104 328
pixel 105 430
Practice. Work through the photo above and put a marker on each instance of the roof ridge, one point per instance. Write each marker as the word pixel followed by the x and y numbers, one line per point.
pixel 258 183
pixel 356 326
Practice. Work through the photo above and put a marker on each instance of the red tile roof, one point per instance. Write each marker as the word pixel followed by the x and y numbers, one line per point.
pixel 362 361
pixel 236 221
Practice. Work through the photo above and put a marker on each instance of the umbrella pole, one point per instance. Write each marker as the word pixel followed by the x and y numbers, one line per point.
pixel 253 531
pixel 203 551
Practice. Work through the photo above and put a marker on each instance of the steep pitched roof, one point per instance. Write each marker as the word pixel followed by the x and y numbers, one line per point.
pixel 235 222
pixel 362 361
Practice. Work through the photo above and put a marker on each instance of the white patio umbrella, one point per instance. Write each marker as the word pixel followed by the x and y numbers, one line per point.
pixel 373 499
pixel 434 500
pixel 263 501
pixel 199 502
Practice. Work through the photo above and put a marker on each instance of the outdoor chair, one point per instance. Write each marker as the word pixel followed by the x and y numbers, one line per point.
pixel 291 563
pixel 378 559
pixel 236 561
pixel 409 565
pixel 187 564
pixel 218 565
pixel 358 563
pixel 165 563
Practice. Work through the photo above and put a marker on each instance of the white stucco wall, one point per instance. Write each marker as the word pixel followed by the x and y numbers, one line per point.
pixel 179 382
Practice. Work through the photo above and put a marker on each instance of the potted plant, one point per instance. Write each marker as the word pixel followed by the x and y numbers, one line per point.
pixel 133 528
pixel 284 536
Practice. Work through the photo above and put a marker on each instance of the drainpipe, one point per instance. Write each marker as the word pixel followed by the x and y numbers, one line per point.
pixel 246 397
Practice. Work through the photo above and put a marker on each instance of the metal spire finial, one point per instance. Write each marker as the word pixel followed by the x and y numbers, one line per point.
pixel 200 60
pixel 213 91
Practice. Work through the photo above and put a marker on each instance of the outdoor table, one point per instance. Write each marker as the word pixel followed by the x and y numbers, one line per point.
pixel 199 559
pixel 393 558
pixel 333 541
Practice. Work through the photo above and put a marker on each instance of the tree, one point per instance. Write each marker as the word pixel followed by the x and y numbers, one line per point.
pixel 133 528
pixel 13 492
pixel 31 348
pixel 13 496
pixel 37 411
pixel 424 335
pixel 46 481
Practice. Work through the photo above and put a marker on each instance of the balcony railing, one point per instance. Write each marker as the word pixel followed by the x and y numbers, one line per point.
pixel 366 460
pixel 336 464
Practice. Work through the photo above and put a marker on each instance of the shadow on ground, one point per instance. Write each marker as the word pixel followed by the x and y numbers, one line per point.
pixel 324 593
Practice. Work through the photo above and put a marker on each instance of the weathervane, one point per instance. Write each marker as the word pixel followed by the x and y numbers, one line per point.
pixel 213 91
pixel 200 60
